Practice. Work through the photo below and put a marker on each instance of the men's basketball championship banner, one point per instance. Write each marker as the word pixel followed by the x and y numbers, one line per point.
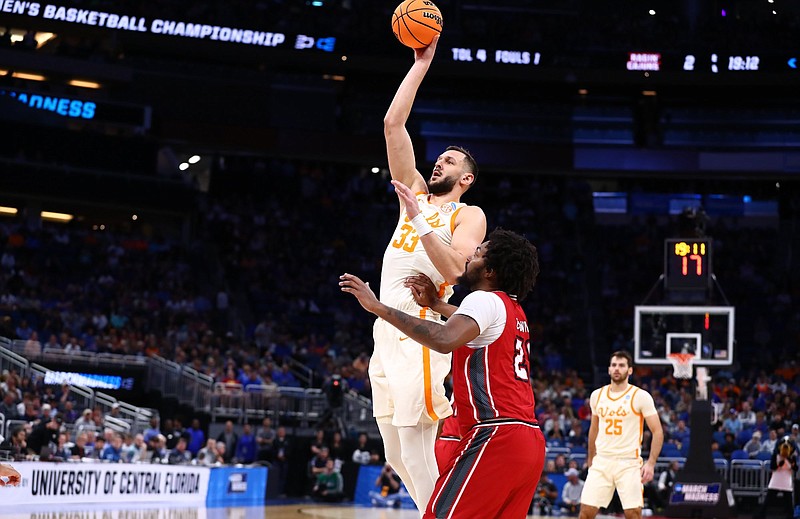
pixel 64 483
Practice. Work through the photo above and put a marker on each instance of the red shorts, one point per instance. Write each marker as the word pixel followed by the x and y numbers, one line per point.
pixel 446 448
pixel 493 475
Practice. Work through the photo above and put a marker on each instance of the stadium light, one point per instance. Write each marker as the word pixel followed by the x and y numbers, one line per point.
pixel 8 210
pixel 25 75
pixel 82 83
pixel 194 159
pixel 183 166
pixel 56 217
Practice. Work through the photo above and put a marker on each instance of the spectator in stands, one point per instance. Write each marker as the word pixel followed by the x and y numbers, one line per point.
pixel 560 463
pixel 747 416
pixel 577 438
pixel 768 445
pixel 665 483
pixel 329 484
pixel 33 348
pixel 230 438
pixel 207 456
pixel 197 438
pixel 545 496
pixel 728 446
pixel 571 493
pixel 152 431
pixel 112 451
pixel 318 462
pixel 283 450
pixel 389 484
pixel 246 447
pixel 16 445
pixel 250 377
pixel 115 412
pixel 158 445
pixel 337 450
pixel 85 422
pixel 681 434
pixel 62 451
pixel 130 452
pixel 180 455
pixel 99 446
pixel 732 424
pixel 761 423
pixel 363 454
pixel 284 377
pixel 318 443
pixel 222 453
pixel 68 412
pixel 8 407
pixel 265 436
pixel 173 430
pixel 753 445
pixel 78 449
pixel 45 434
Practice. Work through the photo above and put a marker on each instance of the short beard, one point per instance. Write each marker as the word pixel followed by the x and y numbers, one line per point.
pixel 468 279
pixel 443 187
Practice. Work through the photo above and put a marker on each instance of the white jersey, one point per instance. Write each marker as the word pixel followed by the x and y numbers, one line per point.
pixel 405 256
pixel 621 420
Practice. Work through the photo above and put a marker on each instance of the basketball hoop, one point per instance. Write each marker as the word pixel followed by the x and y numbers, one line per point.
pixel 681 364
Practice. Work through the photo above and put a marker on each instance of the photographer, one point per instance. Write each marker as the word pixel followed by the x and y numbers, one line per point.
pixel 389 484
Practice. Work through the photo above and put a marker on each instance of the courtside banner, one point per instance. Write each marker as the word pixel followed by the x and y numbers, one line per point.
pixel 62 483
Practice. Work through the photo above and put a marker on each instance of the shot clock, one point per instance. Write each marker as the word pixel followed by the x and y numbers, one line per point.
pixel 687 264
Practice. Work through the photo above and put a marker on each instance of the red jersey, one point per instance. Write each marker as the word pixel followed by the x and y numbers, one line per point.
pixel 493 382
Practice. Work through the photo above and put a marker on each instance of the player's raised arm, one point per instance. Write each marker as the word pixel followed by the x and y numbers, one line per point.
pixel 399 150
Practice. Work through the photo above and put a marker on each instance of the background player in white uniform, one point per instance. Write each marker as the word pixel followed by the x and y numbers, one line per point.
pixel 619 411
pixel 435 235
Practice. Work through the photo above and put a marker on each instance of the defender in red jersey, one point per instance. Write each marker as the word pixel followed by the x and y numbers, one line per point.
pixel 501 452
pixel 449 438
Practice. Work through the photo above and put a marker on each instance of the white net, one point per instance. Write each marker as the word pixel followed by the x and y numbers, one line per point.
pixel 681 365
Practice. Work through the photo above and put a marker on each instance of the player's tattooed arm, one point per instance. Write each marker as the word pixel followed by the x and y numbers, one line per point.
pixel 443 338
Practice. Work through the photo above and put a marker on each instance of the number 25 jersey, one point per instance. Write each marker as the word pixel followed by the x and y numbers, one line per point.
pixel 621 420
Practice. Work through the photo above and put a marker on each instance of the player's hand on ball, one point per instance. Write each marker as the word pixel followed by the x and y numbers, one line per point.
pixel 427 53
pixel 354 285
pixel 423 289
pixel 406 195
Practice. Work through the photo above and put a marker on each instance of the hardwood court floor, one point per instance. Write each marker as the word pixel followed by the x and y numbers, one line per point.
pixel 304 510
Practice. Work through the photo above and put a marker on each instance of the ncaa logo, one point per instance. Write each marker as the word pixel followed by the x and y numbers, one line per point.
pixel 237 483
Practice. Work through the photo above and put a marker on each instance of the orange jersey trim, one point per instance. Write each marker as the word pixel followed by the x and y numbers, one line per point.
pixel 453 219
pixel 426 375
pixel 608 393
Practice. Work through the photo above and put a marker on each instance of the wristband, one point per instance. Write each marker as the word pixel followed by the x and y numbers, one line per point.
pixel 421 225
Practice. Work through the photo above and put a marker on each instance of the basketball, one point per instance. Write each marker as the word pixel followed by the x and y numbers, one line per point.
pixel 416 22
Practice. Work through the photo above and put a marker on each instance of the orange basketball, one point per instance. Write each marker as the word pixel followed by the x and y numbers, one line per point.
pixel 416 22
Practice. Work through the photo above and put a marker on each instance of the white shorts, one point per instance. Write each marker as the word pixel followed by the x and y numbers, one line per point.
pixel 407 379
pixel 606 474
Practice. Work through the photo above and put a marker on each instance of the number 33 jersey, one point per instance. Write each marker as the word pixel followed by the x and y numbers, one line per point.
pixel 405 256
pixel 491 374
pixel 621 420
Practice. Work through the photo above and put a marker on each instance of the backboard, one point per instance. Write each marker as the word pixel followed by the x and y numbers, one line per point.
pixel 705 331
